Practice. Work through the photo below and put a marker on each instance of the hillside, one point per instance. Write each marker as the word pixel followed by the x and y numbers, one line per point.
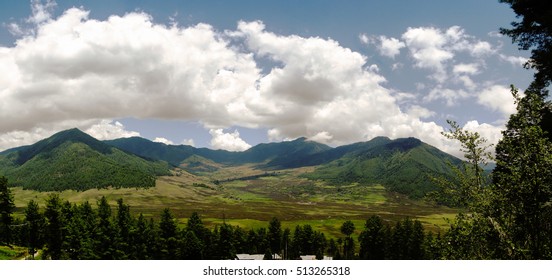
pixel 403 165
pixel 273 155
pixel 72 159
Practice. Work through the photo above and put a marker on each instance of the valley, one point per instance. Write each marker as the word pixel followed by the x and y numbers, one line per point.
pixel 249 197
pixel 298 182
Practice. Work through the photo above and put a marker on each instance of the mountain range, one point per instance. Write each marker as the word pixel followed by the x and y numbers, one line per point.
pixel 72 159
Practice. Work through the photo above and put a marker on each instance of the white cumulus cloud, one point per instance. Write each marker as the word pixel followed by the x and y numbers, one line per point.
pixel 108 129
pixel 390 47
pixel 163 140
pixel 227 141
pixel 498 98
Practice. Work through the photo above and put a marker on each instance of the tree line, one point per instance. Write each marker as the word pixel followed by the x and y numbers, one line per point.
pixel 64 230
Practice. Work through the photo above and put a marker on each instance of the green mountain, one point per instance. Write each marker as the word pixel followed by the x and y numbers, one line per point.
pixel 72 159
pixel 402 165
pixel 153 150
pixel 273 155
pixel 278 155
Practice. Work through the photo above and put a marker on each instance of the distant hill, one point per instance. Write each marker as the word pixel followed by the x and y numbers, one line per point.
pixel 272 155
pixel 153 150
pixel 72 159
pixel 279 155
pixel 402 165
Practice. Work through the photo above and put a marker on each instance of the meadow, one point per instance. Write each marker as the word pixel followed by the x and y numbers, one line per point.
pixel 249 197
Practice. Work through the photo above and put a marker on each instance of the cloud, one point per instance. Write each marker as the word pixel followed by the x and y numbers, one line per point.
pixel 427 47
pixel 189 142
pixel 434 49
pixel 490 132
pixel 79 71
pixel 41 12
pixel 79 68
pixel 420 112
pixel 108 129
pixel 497 98
pixel 390 47
pixel 163 140
pixel 514 60
pixel 450 96
pixel 466 68
pixel 227 141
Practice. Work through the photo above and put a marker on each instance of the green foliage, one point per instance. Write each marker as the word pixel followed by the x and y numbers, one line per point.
pixel 523 181
pixel 469 188
pixel 402 165
pixel 374 239
pixel 405 241
pixel 54 233
pixel 168 236
pixel 6 210
pixel 35 226
pixel 275 235
pixel 533 32
pixel 73 160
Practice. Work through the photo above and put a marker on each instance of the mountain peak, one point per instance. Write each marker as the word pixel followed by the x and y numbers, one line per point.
pixel 73 135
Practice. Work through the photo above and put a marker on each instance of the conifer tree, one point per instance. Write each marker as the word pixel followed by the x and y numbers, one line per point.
pixel 6 210
pixel 105 238
pixel 168 235
pixel 54 228
pixel 35 225
pixel 275 236
pixel 373 240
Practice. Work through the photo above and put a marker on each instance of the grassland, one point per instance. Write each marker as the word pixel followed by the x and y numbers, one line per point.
pixel 14 253
pixel 251 203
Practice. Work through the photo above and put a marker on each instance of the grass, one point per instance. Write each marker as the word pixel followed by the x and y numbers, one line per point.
pixel 288 196
pixel 15 253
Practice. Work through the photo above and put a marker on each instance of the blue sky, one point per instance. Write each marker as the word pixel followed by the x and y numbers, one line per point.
pixel 231 74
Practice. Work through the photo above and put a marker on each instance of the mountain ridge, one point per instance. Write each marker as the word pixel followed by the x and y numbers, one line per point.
pixel 403 165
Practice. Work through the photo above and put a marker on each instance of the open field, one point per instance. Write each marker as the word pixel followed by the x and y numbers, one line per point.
pixel 248 197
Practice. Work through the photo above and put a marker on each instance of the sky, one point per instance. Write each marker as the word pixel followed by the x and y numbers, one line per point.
pixel 233 74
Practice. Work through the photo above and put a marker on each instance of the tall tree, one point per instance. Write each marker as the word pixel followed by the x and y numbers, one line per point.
pixel 534 32
pixel 6 210
pixel 275 236
pixel 348 228
pixel 168 235
pixel 124 228
pixel 523 180
pixel 55 223
pixel 35 224
pixel 105 233
pixel 373 239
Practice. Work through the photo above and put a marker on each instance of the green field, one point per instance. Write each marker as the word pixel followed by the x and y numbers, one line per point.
pixel 14 253
pixel 251 203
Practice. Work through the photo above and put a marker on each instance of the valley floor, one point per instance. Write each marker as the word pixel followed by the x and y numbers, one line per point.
pixel 248 197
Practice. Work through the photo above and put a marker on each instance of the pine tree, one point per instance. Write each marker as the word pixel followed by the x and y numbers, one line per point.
pixel 168 235
pixel 55 223
pixel 373 240
pixel 6 210
pixel 275 236
pixel 124 228
pixel 35 226
pixel 105 233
